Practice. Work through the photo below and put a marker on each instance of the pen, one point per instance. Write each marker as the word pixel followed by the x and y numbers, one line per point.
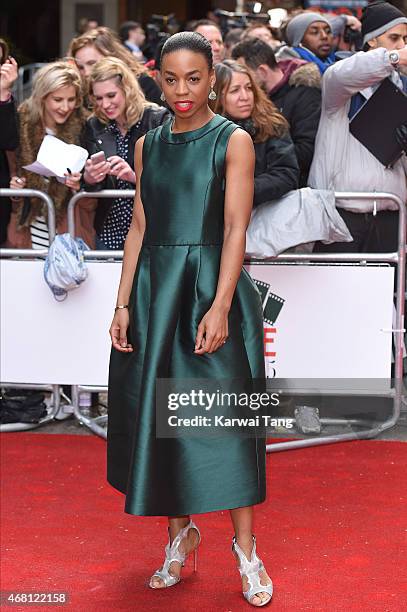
pixel 69 172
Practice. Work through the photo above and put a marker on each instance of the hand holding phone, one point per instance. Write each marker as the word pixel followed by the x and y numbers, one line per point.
pixel 98 157
pixel 121 169
pixel 96 168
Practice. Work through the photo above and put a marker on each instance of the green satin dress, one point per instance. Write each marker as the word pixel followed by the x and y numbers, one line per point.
pixel 182 189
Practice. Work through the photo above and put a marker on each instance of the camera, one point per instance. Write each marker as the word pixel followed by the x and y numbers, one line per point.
pixel 158 29
pixel 229 20
pixel 353 38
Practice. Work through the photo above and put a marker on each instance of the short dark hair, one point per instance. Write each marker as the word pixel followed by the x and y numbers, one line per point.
pixel 205 22
pixel 233 37
pixel 191 41
pixel 126 27
pixel 255 52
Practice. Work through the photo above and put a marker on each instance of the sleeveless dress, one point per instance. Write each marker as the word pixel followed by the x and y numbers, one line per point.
pixel 182 190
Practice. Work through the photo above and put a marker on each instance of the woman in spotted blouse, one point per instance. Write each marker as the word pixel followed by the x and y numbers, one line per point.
pixel 121 116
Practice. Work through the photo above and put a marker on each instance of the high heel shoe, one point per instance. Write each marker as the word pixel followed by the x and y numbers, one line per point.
pixel 251 570
pixel 172 553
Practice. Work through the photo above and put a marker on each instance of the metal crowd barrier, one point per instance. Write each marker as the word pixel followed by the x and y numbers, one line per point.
pixel 25 80
pixel 97 425
pixel 33 193
pixel 398 258
pixel 30 254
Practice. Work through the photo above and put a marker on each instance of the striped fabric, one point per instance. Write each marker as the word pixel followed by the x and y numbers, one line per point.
pixel 39 233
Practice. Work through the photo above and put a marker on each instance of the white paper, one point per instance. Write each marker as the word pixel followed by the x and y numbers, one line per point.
pixel 55 156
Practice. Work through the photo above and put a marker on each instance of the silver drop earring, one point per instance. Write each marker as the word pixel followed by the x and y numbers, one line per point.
pixel 212 94
pixel 162 97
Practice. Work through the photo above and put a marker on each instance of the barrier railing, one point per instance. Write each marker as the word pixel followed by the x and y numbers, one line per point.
pixel 30 253
pixel 25 79
pixel 34 193
pixel 103 194
pixel 398 258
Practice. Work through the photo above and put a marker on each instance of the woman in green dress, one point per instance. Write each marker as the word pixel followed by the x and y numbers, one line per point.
pixel 186 310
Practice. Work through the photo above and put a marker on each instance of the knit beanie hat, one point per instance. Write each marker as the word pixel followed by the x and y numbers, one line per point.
pixel 378 17
pixel 297 26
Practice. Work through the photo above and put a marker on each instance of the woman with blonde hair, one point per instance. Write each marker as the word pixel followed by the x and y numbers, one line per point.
pixel 240 99
pixel 96 44
pixel 121 116
pixel 55 108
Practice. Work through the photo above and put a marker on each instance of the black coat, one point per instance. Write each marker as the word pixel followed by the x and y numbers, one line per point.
pixel 276 170
pixel 9 142
pixel 8 123
pixel 98 138
pixel 301 106
pixel 150 88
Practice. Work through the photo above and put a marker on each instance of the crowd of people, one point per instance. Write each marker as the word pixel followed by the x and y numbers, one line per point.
pixel 294 92
pixel 170 131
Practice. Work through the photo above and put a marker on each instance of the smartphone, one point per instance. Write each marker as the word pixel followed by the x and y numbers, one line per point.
pixel 98 157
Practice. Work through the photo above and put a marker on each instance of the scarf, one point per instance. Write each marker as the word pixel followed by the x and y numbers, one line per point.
pixel 247 125
pixel 31 137
pixel 308 56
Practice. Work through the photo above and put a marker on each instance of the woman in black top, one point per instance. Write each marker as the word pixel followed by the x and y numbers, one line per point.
pixel 121 116
pixel 8 132
pixel 240 99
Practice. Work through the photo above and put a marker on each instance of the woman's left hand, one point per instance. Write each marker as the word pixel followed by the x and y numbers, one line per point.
pixel 212 331
pixel 73 180
pixel 121 169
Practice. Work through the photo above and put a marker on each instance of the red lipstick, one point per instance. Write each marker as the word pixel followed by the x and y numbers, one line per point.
pixel 183 105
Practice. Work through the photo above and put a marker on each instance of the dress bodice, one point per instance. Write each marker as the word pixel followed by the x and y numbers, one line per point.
pixel 183 175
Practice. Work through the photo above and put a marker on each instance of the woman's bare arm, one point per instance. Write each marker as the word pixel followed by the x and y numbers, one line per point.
pixel 132 246
pixel 238 205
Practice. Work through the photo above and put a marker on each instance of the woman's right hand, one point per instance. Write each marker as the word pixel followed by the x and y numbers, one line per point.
pixel 118 331
pixel 8 75
pixel 96 173
pixel 17 183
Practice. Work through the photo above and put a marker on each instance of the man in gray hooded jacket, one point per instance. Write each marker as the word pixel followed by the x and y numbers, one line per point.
pixel 341 162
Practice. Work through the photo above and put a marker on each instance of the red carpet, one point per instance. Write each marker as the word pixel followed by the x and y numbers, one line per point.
pixel 332 532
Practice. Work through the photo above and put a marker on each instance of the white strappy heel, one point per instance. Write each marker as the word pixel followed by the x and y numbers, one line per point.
pixel 251 570
pixel 172 553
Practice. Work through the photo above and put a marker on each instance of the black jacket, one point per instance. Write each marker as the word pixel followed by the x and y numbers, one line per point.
pixel 98 138
pixel 9 128
pixel 299 101
pixel 9 142
pixel 150 88
pixel 276 170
